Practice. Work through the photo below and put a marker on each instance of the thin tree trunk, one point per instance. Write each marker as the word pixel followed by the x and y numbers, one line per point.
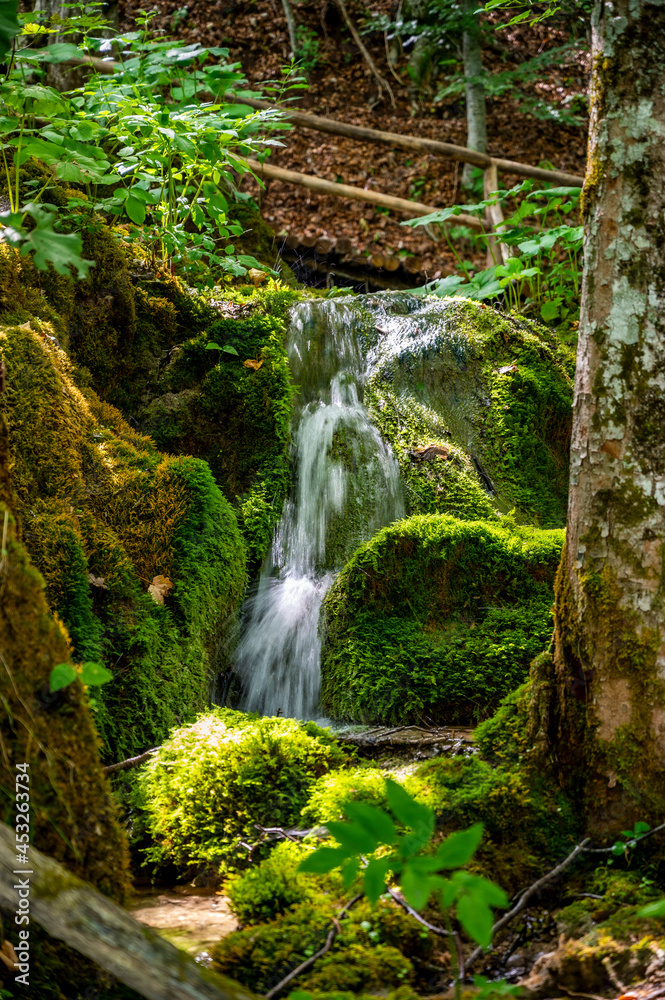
pixel 293 31
pixel 600 705
pixel 74 912
pixel 381 81
pixel 476 115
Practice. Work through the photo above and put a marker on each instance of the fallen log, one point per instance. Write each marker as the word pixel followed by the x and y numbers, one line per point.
pixel 413 143
pixel 412 209
pixel 74 912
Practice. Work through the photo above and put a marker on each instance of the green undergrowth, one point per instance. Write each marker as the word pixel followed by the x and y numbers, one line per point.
pixel 436 619
pixel 213 780
pixel 378 948
pixel 496 392
pixel 103 514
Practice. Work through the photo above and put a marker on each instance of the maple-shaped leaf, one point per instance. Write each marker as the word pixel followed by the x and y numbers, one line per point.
pixel 159 588
pixel 250 363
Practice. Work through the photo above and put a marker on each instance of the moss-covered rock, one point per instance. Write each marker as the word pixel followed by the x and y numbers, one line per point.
pixel 232 407
pixel 104 514
pixel 331 791
pixel 374 952
pixel 212 781
pixel 491 390
pixel 436 619
pixel 528 822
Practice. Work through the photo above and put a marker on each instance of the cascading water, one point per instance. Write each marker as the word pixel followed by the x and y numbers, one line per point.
pixel 346 487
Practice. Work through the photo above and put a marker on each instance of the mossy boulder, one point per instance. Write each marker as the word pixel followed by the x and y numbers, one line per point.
pixel 491 390
pixel 106 516
pixel 436 619
pixel 212 781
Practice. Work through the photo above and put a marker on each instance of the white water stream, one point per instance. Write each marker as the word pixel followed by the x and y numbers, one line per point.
pixel 346 487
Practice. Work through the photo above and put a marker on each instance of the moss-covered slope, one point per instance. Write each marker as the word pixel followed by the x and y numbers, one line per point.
pixel 436 619
pixel 103 514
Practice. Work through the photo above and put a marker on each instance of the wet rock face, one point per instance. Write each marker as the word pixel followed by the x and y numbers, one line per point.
pixel 490 393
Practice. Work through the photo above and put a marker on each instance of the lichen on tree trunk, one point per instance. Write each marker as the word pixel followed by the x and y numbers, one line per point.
pixel 601 706
pixel 476 115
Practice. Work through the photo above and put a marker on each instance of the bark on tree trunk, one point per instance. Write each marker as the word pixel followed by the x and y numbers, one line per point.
pixel 476 117
pixel 293 30
pixel 600 703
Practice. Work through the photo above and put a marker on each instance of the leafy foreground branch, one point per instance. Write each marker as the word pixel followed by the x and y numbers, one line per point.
pixel 71 910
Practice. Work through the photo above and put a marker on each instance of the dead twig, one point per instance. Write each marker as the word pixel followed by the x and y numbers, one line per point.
pixel 608 850
pixel 399 899
pixel 526 896
pixel 332 934
pixel 125 765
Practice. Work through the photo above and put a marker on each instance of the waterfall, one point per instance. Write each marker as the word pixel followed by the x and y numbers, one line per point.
pixel 346 486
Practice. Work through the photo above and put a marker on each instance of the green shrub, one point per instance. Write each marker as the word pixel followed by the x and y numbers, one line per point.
pixel 213 780
pixel 331 791
pixel 437 619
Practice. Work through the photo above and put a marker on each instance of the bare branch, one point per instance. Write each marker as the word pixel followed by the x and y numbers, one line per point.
pixel 526 896
pixel 381 80
pixel 125 765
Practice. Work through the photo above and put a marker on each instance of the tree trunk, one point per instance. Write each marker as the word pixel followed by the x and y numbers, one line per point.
pixel 293 30
pixel 601 706
pixel 476 117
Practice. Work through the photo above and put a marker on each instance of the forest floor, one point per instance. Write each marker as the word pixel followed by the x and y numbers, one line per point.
pixel 342 87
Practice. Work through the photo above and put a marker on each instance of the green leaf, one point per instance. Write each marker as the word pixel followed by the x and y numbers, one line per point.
pixel 407 810
pixel 324 860
pixel 374 878
pixel 656 909
pixel 349 871
pixel 61 676
pixel 550 310
pixel 458 849
pixel 95 674
pixel 641 827
pixel 62 250
pixel 375 821
pixel 353 837
pixel 135 210
pixel 418 889
pixel 475 917
pixel 211 346
pixel 230 350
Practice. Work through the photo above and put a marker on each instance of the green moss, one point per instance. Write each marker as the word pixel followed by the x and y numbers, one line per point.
pixel 370 953
pixel 505 737
pixel 272 887
pixel 528 821
pixel 331 791
pixel 104 513
pixel 212 781
pixel 436 619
